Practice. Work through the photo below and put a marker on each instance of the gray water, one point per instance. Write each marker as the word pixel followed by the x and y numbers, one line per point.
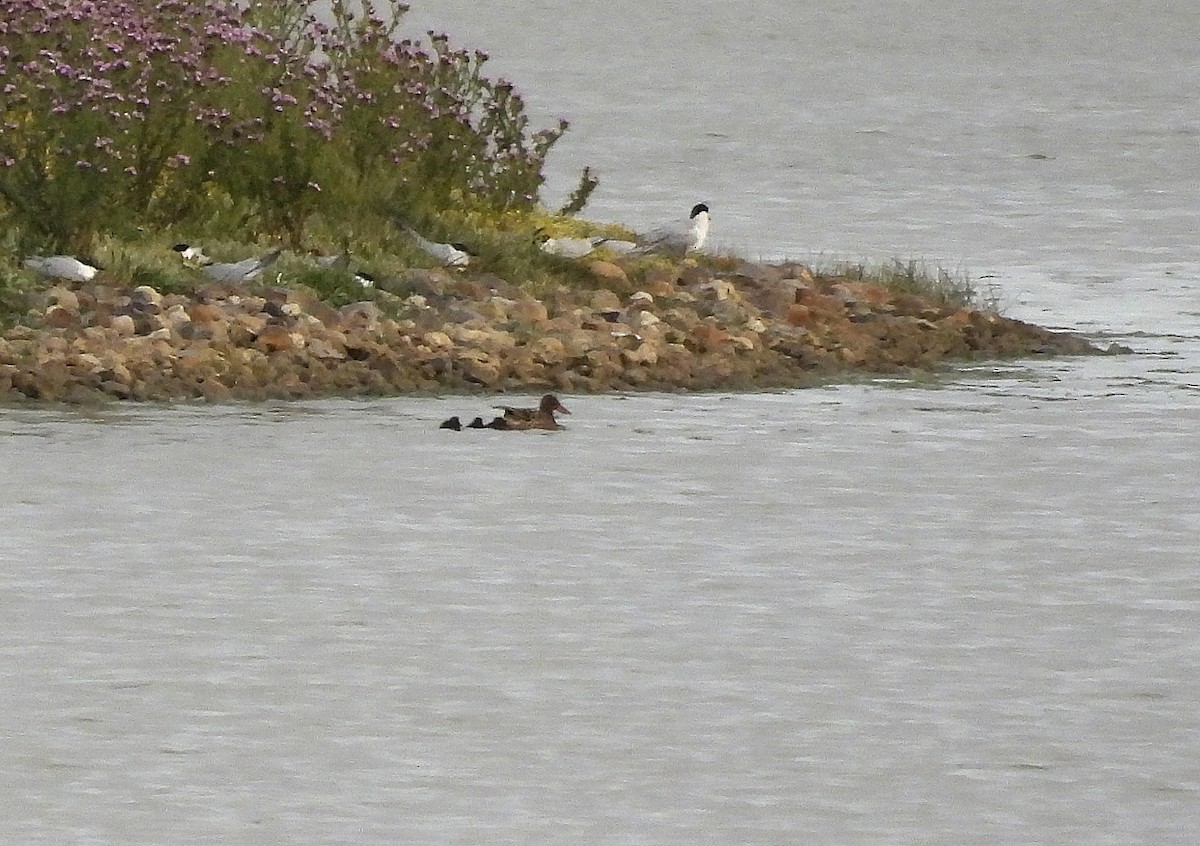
pixel 962 609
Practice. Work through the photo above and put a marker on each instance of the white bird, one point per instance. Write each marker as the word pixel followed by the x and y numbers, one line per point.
pixel 617 245
pixel 192 255
pixel 450 255
pixel 571 248
pixel 681 239
pixel 61 267
pixel 241 271
pixel 341 261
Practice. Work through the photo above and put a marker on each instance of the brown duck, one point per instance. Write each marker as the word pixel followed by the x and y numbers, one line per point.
pixel 541 417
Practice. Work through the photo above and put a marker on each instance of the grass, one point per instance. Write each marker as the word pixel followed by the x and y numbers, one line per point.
pixel 505 246
pixel 953 289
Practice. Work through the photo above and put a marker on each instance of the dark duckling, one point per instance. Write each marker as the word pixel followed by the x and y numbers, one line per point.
pixel 453 423
pixel 541 417
pixel 477 423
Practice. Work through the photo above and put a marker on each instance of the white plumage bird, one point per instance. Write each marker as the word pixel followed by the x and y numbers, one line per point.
pixel 245 270
pixel 450 255
pixel 680 239
pixel 571 248
pixel 574 248
pixel 61 267
pixel 192 255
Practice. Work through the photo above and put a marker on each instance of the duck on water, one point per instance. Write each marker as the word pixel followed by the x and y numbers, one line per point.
pixel 516 418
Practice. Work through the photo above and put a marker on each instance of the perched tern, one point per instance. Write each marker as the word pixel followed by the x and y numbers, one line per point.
pixel 450 255
pixel 341 261
pixel 617 245
pixel 571 248
pixel 241 271
pixel 61 267
pixel 681 239
pixel 192 255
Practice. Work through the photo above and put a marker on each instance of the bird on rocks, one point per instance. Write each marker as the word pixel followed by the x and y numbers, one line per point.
pixel 682 238
pixel 62 267
pixel 450 255
pixel 245 270
pixel 541 417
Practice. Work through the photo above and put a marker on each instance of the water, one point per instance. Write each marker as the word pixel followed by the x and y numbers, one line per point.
pixel 961 609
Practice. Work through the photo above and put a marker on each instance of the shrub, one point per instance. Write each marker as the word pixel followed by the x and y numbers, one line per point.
pixel 119 114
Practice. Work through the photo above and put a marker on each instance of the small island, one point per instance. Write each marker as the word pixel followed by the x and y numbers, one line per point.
pixel 392 192
pixel 696 324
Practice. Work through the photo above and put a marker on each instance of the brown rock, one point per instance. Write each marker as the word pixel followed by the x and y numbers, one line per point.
pixel 145 295
pixel 61 318
pixel 205 312
pixel 64 298
pixel 528 310
pixel 275 339
pixel 605 300
pixel 123 325
pixel 606 271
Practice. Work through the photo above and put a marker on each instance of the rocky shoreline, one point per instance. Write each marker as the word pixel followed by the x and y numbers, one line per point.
pixel 687 327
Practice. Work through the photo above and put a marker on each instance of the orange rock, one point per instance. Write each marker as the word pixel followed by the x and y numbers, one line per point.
pixel 275 339
pixel 205 312
pixel 607 271
pixel 800 315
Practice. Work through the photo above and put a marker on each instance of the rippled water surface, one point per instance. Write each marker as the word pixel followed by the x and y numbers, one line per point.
pixel 960 609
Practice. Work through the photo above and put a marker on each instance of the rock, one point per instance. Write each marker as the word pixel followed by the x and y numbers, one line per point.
pixel 437 341
pixel 276 338
pixel 64 298
pixel 607 271
pixel 605 300
pixel 61 318
pixel 145 295
pixel 529 311
pixel 643 354
pixel 205 312
pixel 177 316
pixel 123 325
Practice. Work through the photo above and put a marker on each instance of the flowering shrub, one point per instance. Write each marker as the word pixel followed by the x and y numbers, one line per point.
pixel 116 113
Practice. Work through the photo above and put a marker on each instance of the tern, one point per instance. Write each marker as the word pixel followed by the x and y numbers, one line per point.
pixel 241 271
pixel 450 255
pixel 341 261
pixel 573 248
pixel 681 239
pixel 192 255
pixel 61 267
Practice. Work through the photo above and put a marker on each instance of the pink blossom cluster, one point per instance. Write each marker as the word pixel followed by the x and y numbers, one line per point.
pixel 115 101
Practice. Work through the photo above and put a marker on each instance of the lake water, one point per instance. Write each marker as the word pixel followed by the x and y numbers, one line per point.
pixel 963 609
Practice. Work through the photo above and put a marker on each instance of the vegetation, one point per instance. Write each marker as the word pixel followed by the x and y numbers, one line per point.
pixel 247 122
pixel 126 127
pixel 913 277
